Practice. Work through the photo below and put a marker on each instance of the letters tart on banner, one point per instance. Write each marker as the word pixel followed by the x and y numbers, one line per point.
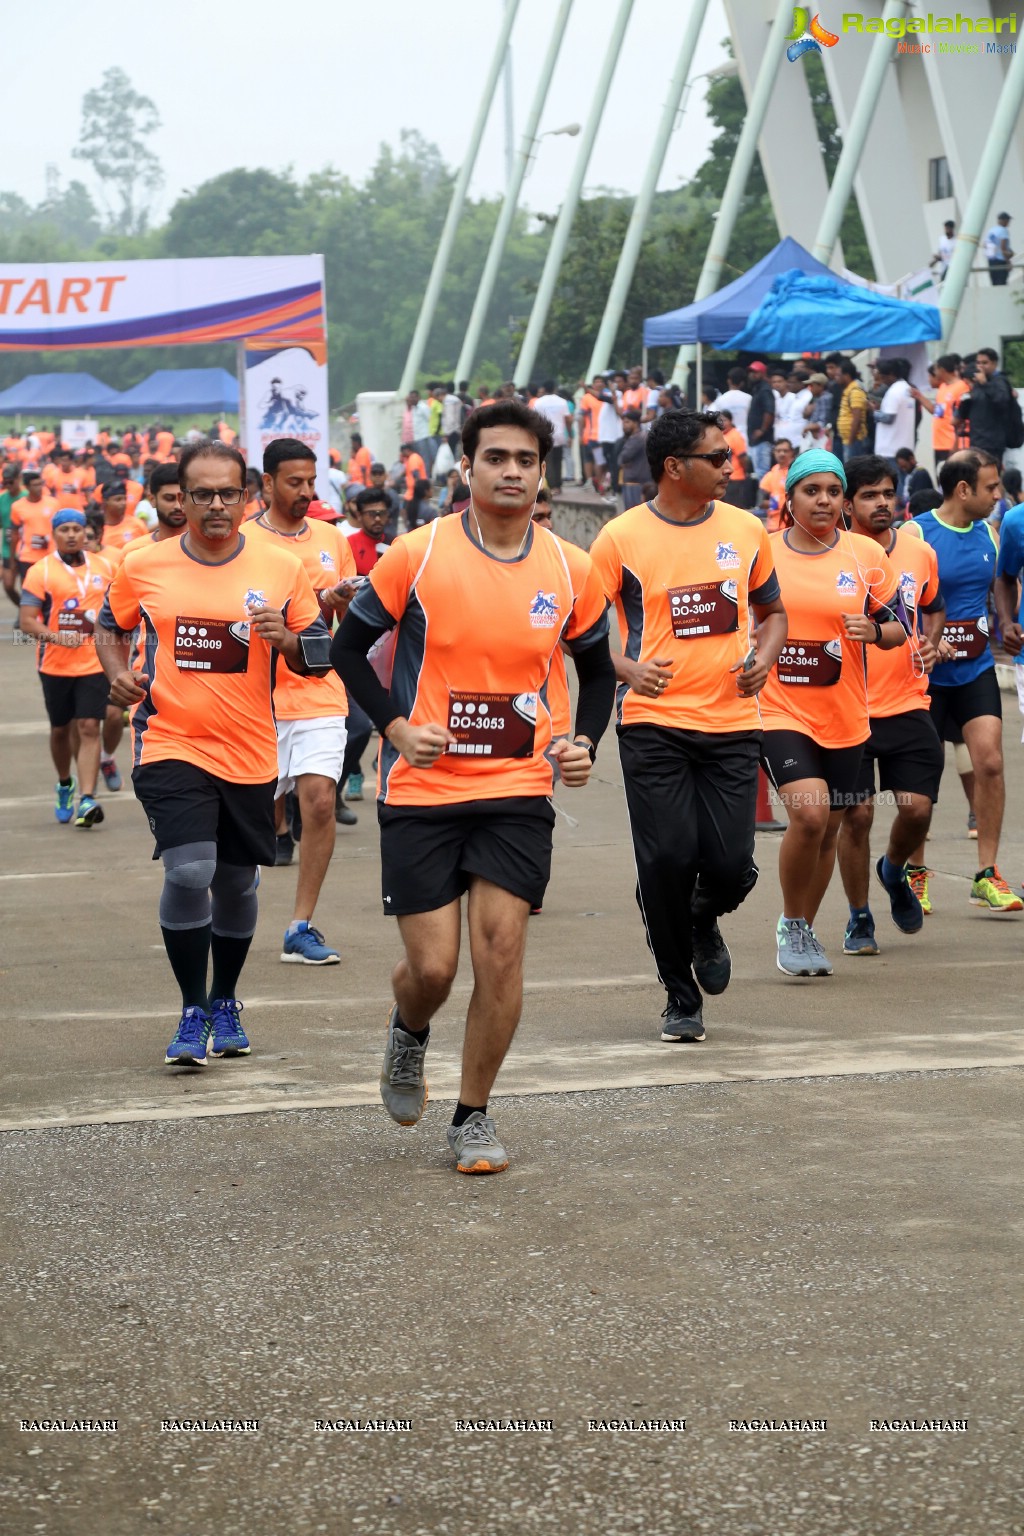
pixel 286 396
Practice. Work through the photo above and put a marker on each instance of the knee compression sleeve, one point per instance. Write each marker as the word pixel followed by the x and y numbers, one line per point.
pixel 188 872
pixel 234 901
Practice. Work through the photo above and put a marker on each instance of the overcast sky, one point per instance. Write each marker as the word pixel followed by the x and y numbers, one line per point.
pixel 251 83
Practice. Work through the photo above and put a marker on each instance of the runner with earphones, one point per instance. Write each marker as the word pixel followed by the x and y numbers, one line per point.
pixel 690 577
pixel 904 743
pixel 840 595
pixel 479 602
pixel 964 691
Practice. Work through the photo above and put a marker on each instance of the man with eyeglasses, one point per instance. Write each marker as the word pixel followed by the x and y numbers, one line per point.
pixel 222 613
pixel 691 577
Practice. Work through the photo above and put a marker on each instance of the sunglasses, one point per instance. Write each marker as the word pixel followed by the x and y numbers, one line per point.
pixel 718 458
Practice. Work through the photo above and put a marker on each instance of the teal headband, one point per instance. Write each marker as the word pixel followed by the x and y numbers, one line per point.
pixel 814 461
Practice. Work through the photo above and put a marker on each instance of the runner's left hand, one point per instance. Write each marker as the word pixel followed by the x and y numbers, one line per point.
pixel 573 760
pixel 751 681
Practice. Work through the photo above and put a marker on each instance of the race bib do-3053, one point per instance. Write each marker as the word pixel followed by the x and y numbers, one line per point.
pixel 492 724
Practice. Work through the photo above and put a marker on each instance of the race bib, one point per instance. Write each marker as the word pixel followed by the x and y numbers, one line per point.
pixel 74 617
pixel 707 608
pixel 211 645
pixel 968 637
pixel 492 724
pixel 811 663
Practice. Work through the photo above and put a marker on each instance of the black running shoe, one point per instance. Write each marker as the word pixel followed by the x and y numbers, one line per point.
pixel 712 962
pixel 681 1027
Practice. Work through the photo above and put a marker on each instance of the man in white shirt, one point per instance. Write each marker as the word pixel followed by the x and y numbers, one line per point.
pixel 736 399
pixel 790 400
pixel 553 408
pixel 944 255
pixel 895 419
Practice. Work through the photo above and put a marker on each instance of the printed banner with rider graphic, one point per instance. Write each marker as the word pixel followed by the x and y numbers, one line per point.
pixel 115 303
pixel 286 396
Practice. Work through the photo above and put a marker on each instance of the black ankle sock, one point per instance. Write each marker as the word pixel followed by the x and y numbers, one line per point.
pixel 228 958
pixel 463 1112
pixel 421 1036
pixel 188 950
pixel 65 783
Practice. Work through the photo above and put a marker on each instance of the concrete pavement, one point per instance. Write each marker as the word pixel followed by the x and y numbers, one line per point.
pixel 810 1216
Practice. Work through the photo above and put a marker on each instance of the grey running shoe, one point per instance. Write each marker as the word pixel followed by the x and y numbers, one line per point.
pixel 822 965
pixel 795 957
pixel 680 1027
pixel 712 962
pixel 403 1087
pixel 475 1143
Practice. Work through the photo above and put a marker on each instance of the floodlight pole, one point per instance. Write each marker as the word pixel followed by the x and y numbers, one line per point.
pixel 773 60
pixel 628 256
pixel 855 137
pixel 485 292
pixel 1004 119
pixel 428 308
pixel 567 213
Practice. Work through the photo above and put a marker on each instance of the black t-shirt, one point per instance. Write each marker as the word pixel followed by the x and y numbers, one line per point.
pixel 761 401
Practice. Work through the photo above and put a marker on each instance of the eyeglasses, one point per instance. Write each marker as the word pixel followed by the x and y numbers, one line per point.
pixel 718 458
pixel 203 497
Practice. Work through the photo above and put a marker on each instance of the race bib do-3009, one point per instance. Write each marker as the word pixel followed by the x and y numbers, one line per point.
pixel 211 645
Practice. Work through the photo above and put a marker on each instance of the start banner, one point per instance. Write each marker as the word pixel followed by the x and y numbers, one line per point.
pixel 53 307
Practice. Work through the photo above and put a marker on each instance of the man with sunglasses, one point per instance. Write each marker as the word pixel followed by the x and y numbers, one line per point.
pixel 222 612
pixel 691 578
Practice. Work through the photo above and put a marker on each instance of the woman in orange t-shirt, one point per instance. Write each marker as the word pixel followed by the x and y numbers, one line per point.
pixel 839 596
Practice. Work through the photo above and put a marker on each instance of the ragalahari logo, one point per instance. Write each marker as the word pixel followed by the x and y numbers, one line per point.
pixel 807 35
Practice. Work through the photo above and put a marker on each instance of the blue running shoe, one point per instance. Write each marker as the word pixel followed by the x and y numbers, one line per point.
pixel 859 938
pixel 907 912
pixel 305 946
pixel 90 812
pixel 188 1048
pixel 111 776
pixel 229 1038
pixel 64 810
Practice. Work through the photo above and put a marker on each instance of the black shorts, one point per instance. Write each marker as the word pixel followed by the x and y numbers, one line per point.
pixel 75 698
pixel 429 854
pixel 909 755
pixel 790 755
pixel 185 804
pixel 953 707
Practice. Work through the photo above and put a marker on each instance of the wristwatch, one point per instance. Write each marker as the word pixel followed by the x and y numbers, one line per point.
pixel 581 741
pixel 878 633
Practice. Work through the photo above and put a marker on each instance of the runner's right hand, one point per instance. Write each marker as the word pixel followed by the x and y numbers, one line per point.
pixel 127 689
pixel 420 745
pixel 1013 639
pixel 651 678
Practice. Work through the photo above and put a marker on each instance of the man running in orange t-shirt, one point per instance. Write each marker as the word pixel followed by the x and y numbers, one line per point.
pixel 31 523
pixel 60 600
pixel 222 613
pixel 311 712
pixel 478 603
pixel 690 577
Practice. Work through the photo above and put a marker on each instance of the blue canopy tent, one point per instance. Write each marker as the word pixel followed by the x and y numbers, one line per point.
pixel 181 392
pixel 58 394
pixel 806 313
pixel 714 319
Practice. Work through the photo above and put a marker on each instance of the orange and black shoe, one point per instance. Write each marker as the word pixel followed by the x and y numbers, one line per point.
pixel 476 1145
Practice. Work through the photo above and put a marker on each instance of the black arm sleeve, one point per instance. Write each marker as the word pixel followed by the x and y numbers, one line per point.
pixel 597 690
pixel 353 639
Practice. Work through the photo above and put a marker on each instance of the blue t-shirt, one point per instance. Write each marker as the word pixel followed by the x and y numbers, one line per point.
pixel 1011 554
pixel 967 568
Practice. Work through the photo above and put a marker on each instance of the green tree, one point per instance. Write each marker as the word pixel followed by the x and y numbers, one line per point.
pixel 239 213
pixel 116 121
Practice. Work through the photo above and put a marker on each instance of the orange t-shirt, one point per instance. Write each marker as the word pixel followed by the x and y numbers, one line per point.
pixel 684 590
pixel 359 466
pixel 164 444
pixel 943 427
pixel 210 677
pixel 635 399
pixel 47 443
pixel 32 521
pixel 66 489
pixel 326 560
pixel 475 645
pixel 738 443
pixel 133 495
pixel 774 486
pixel 415 469
pixel 896 681
pixel 69 597
pixel 120 458
pixel 117 535
pixel 590 411
pixel 818 685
